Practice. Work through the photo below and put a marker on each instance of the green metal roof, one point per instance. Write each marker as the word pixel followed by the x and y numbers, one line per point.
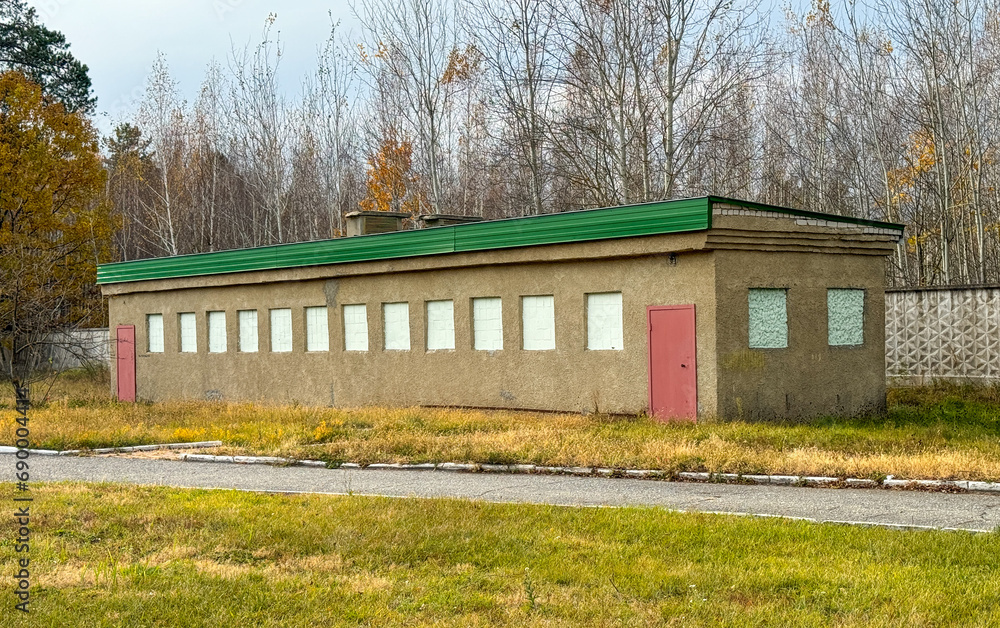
pixel 684 215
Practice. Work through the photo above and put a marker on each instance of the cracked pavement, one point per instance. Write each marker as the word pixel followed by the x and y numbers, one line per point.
pixel 894 508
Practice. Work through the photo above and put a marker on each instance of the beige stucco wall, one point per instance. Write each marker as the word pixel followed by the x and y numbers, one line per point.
pixel 713 270
pixel 569 378
pixel 808 378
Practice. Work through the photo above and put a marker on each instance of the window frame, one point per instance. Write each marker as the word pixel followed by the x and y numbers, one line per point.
pixel 149 332
pixel 478 330
pixel 545 344
pixel 280 312
pixel 750 318
pixel 182 336
pixel 242 348
pixel 861 329
pixel 448 330
pixel 317 340
pixel 401 326
pixel 211 336
pixel 348 337
pixel 618 334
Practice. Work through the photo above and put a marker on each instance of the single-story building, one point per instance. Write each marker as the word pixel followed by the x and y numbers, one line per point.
pixel 687 308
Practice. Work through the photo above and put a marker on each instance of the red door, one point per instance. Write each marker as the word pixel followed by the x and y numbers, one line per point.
pixel 673 373
pixel 125 352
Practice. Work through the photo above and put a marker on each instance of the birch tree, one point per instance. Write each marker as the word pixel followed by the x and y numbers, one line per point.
pixel 414 39
pixel 161 119
pixel 517 41
pixel 259 135
pixel 707 51
pixel 333 117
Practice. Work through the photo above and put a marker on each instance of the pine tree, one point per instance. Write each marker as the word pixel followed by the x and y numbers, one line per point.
pixel 43 56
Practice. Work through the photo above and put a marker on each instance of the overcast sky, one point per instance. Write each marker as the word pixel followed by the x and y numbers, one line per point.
pixel 119 39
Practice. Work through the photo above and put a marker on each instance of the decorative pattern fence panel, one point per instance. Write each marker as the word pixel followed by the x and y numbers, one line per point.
pixel 949 333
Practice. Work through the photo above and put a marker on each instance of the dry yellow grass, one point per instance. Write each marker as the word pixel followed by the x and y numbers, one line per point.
pixel 928 433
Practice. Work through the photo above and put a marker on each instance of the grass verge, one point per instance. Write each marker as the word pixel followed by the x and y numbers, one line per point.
pixel 113 555
pixel 945 432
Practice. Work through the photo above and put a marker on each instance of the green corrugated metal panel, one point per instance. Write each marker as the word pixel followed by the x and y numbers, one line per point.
pixel 187 265
pixel 578 226
pixel 372 247
pixel 615 222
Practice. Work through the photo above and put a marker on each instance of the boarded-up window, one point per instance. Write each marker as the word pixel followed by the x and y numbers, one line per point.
pixel 604 322
pixel 217 332
pixel 487 324
pixel 356 327
pixel 845 311
pixel 396 317
pixel 768 318
pixel 539 323
pixel 154 333
pixel 281 330
pixel 317 329
pixel 189 333
pixel 248 331
pixel 440 325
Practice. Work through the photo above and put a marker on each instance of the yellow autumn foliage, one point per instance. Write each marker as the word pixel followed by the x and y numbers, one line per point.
pixel 921 156
pixel 55 225
pixel 391 183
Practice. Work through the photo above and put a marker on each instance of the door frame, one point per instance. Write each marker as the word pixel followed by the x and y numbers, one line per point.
pixel 649 354
pixel 118 363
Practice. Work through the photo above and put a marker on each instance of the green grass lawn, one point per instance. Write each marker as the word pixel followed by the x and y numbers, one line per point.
pixel 946 432
pixel 116 555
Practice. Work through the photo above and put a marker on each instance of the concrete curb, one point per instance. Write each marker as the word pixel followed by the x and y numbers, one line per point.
pixel 890 482
pixel 4 449
pixel 258 460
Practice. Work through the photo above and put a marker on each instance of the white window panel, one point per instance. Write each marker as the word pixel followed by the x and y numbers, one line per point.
pixel 487 324
pixel 356 327
pixel 768 318
pixel 248 331
pixel 396 317
pixel 189 333
pixel 604 322
pixel 154 333
pixel 217 332
pixel 440 325
pixel 539 323
pixel 845 309
pixel 281 330
pixel 317 329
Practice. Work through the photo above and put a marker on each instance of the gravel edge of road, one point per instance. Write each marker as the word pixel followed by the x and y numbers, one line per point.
pixel 889 482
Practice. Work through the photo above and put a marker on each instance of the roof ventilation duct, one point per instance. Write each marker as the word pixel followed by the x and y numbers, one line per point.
pixel 446 220
pixel 365 223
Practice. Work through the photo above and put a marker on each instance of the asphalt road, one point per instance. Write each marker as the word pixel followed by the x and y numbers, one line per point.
pixel 869 506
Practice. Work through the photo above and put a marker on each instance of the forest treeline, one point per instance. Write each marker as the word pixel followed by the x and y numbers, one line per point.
pixel 888 110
